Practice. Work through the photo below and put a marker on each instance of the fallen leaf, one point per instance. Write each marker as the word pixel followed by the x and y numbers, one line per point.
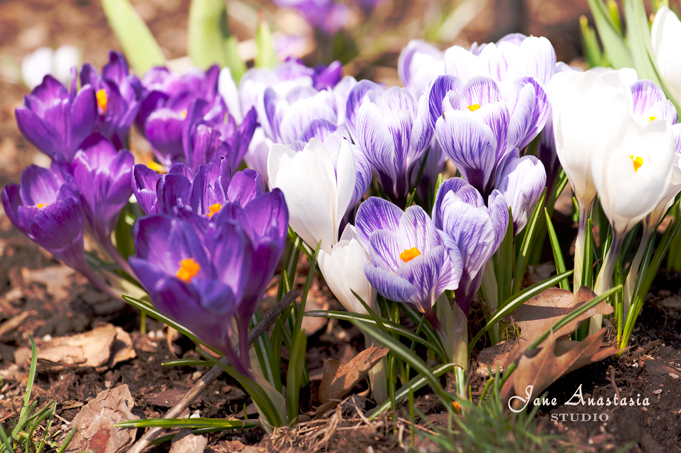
pixel 186 442
pixel 535 317
pixel 57 279
pixel 102 347
pixel 95 422
pixel 541 367
pixel 659 368
pixel 339 379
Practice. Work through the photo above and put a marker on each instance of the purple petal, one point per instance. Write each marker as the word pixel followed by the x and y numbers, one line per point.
pixel 376 214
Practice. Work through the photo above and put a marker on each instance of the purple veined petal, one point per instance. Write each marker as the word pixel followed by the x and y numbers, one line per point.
pixel 411 56
pixel 363 175
pixel 376 214
pixel 389 285
pixel 58 225
pixel 231 252
pixel 417 230
pixel 470 145
pixel 374 138
pixel 43 135
pixel 267 216
pixel 163 129
pixel 341 92
pixel 499 214
pixel 354 102
pixel 11 202
pixel 144 182
pixel 320 129
pixel 302 113
pixel 522 183
pixel 269 112
pixel 205 141
pixel 437 92
pixel 181 169
pixel 536 58
pixel 423 272
pixel 243 136
pixel 50 89
pixel 245 186
pixel 82 116
pixel 173 190
pixel 385 249
pixel 504 161
pixel 645 94
pixel 39 186
pixel 481 91
pixel 452 266
pixel 328 76
pixel 463 64
pixel 513 38
pixel 461 190
pixel 663 110
pixel 400 125
pixel 422 132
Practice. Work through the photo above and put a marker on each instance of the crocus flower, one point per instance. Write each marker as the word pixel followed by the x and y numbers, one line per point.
pixel 199 289
pixel 419 63
pixel 45 61
pixel 318 193
pixel 473 229
pixel 409 261
pixel 480 125
pixel 117 97
pixel 665 36
pixel 511 58
pixel 649 103
pixel 102 176
pixel 521 181
pixel 55 120
pixel 588 112
pixel 393 130
pixel 46 208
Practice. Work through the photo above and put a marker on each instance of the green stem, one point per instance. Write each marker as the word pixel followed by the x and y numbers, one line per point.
pixel 605 276
pixel 584 212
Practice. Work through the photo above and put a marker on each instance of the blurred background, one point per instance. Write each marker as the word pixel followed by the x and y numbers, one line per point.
pixel 366 35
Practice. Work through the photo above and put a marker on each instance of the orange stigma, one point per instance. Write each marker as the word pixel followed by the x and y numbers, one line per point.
pixel 188 270
pixel 213 209
pixel 473 107
pixel 102 100
pixel 637 161
pixel 158 168
pixel 409 254
pixel 41 205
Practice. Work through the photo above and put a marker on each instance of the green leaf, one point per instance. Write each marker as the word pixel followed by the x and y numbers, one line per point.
pixel 267 55
pixel 187 362
pixel 638 39
pixel 505 257
pixel 531 230
pixel 209 41
pixel 557 253
pixel 591 48
pixel 123 234
pixel 294 378
pixel 139 45
pixel 516 301
pixel 615 47
pixel 188 423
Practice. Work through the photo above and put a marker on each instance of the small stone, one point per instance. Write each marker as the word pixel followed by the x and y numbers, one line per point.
pixel 657 392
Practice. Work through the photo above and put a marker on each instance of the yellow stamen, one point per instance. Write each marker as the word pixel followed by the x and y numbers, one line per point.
pixel 213 209
pixel 457 406
pixel 41 205
pixel 473 107
pixel 188 270
pixel 183 113
pixel 409 254
pixel 637 161
pixel 652 118
pixel 102 100
pixel 158 168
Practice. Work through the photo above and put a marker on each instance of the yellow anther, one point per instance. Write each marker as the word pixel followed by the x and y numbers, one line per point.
pixel 183 113
pixel 637 161
pixel 158 168
pixel 409 254
pixel 214 209
pixel 41 205
pixel 473 107
pixel 188 270
pixel 102 100
pixel 652 118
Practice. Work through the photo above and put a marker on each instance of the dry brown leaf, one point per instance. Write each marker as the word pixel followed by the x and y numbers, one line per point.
pixel 186 442
pixel 340 378
pixel 121 349
pixel 95 422
pixel 535 317
pixel 539 368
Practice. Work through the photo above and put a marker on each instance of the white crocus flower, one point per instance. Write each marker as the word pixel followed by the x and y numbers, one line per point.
pixel 44 61
pixel 588 112
pixel 317 194
pixel 665 37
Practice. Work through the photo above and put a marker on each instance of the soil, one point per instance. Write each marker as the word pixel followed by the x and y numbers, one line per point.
pixel 55 302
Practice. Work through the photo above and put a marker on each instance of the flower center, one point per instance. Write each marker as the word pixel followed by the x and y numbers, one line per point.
pixel 409 254
pixel 41 205
pixel 102 100
pixel 473 107
pixel 213 209
pixel 183 113
pixel 188 270
pixel 652 118
pixel 637 161
pixel 158 168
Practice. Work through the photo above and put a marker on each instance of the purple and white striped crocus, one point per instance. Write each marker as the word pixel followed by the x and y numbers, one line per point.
pixel 418 65
pixel 472 229
pixel 511 58
pixel 479 124
pixel 409 260
pixel 102 176
pixel 650 104
pixel 393 130
pixel 117 93
pixel 55 120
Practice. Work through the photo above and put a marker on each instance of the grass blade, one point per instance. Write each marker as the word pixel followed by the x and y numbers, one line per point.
pixel 188 423
pixel 531 230
pixel 557 253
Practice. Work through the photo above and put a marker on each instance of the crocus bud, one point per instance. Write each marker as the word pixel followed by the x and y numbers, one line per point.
pixel 665 36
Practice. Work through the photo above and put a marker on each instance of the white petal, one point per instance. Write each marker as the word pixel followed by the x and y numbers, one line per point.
pixel 345 177
pixel 230 94
pixel 36 65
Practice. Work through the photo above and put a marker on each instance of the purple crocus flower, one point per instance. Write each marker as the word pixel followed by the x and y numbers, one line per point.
pixel 419 63
pixel 393 130
pixel 199 289
pixel 472 229
pixel 117 97
pixel 55 120
pixel 326 15
pixel 47 209
pixel 478 126
pixel 650 103
pixel 409 260
pixel 102 177
pixel 521 181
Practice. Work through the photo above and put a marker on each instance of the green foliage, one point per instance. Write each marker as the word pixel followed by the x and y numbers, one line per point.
pixel 139 45
pixel 267 55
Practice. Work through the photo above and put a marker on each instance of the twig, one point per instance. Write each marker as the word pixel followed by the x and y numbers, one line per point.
pixel 15 322
pixel 214 372
pixel 612 381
